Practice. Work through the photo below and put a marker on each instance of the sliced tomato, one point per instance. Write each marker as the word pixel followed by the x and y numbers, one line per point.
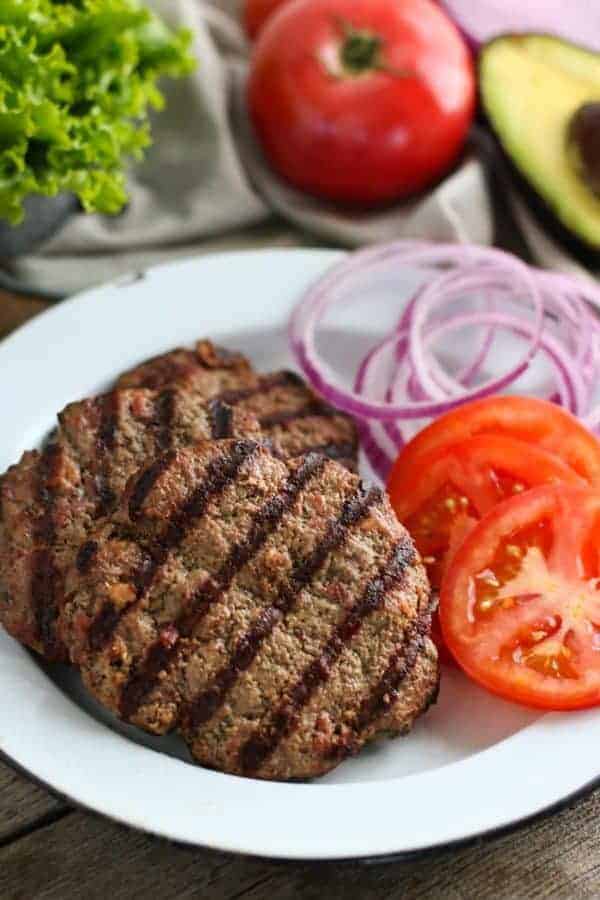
pixel 520 603
pixel 441 494
pixel 525 418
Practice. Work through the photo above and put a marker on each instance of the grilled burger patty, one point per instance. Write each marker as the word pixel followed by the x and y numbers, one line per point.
pixel 275 612
pixel 212 369
pixel 50 499
pixel 290 414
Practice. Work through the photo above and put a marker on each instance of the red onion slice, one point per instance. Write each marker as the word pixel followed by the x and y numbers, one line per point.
pixel 327 291
pixel 403 380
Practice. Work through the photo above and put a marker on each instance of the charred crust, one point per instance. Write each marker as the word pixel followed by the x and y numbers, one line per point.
pixel 213 356
pixel 221 419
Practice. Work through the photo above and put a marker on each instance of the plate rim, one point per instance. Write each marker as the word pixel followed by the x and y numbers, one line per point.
pixel 381 848
pixel 401 856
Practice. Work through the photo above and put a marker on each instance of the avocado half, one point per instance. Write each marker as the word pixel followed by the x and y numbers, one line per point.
pixel 532 88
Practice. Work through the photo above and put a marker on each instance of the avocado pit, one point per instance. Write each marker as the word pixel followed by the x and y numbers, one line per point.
pixel 583 144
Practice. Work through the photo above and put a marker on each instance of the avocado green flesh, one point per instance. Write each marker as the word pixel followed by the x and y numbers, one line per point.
pixel 531 86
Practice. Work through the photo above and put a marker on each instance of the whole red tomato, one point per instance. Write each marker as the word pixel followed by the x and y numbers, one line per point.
pixel 256 13
pixel 361 101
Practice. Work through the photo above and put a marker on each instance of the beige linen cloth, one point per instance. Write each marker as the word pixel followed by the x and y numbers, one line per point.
pixel 205 176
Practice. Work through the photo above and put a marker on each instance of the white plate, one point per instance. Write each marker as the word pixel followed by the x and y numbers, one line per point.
pixel 473 764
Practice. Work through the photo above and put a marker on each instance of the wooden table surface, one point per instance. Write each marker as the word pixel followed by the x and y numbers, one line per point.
pixel 48 849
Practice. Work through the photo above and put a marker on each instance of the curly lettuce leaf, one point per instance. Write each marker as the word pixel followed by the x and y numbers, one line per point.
pixel 76 82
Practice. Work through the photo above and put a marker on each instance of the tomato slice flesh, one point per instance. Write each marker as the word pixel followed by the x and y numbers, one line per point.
pixel 537 422
pixel 520 606
pixel 441 495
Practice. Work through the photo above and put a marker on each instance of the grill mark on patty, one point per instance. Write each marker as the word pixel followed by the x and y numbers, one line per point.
pixel 44 573
pixel 219 473
pixel 85 556
pixel 280 724
pixel 387 690
pixel 344 450
pixel 221 420
pixel 108 421
pixel 264 384
pixel 146 482
pixel 164 650
pixel 105 444
pixel 203 707
pixel 314 408
pixel 164 415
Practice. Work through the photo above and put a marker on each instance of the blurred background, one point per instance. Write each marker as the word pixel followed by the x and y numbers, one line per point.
pixel 337 122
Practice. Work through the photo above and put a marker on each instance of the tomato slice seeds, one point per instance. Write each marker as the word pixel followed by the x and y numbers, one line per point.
pixel 442 494
pixel 520 604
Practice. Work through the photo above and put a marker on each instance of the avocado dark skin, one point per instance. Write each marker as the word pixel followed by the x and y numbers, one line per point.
pixel 541 98
pixel 503 176
pixel 543 215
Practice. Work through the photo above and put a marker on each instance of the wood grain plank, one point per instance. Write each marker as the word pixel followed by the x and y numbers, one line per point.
pixel 15 310
pixel 85 856
pixel 23 804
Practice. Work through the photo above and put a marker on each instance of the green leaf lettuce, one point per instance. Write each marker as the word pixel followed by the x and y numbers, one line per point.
pixel 76 82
